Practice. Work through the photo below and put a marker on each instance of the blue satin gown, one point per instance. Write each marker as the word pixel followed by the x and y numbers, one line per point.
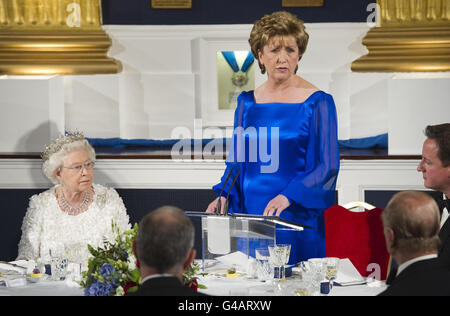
pixel 290 149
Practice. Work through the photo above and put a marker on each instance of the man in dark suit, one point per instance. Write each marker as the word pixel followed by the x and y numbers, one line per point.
pixel 435 167
pixel 164 249
pixel 411 226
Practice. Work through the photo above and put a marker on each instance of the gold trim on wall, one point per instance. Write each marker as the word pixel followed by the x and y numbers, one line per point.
pixel 301 3
pixel 42 37
pixel 171 4
pixel 412 36
pixel 50 14
pixel 413 13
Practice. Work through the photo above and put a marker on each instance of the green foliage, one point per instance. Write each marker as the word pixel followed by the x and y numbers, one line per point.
pixel 119 256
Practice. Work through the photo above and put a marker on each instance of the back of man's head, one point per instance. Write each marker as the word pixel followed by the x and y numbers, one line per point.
pixel 165 237
pixel 413 217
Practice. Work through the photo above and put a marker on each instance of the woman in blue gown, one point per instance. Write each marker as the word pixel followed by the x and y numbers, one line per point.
pixel 285 145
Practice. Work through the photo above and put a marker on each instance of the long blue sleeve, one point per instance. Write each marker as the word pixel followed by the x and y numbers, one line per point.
pixel 314 188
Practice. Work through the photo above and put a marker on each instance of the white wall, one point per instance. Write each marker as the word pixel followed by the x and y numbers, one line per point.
pixel 169 80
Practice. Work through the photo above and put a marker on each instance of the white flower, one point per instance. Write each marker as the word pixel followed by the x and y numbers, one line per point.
pixel 132 262
pixel 119 291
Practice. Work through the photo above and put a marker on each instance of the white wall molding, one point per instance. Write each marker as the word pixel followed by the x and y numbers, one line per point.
pixel 355 177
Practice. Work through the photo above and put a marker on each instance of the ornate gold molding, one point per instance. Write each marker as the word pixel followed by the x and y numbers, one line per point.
pixel 412 36
pixel 54 37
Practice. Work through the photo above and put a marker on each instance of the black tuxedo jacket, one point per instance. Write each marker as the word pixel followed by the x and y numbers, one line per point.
pixel 164 286
pixel 444 248
pixel 426 277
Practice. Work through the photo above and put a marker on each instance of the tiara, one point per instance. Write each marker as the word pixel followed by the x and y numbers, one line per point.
pixel 58 143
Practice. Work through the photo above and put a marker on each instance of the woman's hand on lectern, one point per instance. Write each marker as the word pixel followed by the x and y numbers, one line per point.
pixel 276 205
pixel 213 205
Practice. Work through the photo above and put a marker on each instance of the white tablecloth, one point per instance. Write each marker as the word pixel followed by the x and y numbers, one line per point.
pixel 223 286
pixel 219 284
pixel 216 281
pixel 43 288
pixel 240 286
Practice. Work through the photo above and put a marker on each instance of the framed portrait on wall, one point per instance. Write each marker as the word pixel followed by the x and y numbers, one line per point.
pixel 171 4
pixel 226 67
pixel 301 3
pixel 235 73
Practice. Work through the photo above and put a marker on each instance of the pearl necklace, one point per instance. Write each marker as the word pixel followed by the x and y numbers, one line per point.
pixel 73 210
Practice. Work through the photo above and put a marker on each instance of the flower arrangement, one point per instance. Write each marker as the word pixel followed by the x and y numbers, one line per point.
pixel 190 278
pixel 112 269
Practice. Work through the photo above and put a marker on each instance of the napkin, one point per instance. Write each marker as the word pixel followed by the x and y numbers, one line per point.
pixel 12 275
pixel 236 259
pixel 348 274
pixel 12 266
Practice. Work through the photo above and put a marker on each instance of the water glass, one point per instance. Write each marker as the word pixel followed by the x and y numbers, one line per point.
pixel 282 288
pixel 263 270
pixel 59 268
pixel 300 288
pixel 318 269
pixel 318 265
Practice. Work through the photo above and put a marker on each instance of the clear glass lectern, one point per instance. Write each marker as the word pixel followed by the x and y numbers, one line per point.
pixel 222 235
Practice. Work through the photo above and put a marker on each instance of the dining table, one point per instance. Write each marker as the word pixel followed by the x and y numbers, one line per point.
pixel 215 287
pixel 217 283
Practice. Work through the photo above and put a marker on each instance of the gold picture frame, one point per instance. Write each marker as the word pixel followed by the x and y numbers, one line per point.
pixel 301 3
pixel 171 4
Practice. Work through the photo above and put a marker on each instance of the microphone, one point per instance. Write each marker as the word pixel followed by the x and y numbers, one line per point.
pixel 226 201
pixel 219 204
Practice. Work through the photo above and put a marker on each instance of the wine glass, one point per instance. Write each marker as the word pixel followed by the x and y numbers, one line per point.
pixel 286 252
pixel 332 269
pixel 76 254
pixel 279 256
pixel 274 259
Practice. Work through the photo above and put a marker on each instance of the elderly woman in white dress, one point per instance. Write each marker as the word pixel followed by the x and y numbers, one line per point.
pixel 73 213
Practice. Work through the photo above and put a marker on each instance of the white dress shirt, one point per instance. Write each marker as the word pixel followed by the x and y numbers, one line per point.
pixel 154 276
pixel 444 215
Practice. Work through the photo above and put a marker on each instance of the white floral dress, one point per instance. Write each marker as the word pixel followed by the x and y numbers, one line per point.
pixel 47 228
